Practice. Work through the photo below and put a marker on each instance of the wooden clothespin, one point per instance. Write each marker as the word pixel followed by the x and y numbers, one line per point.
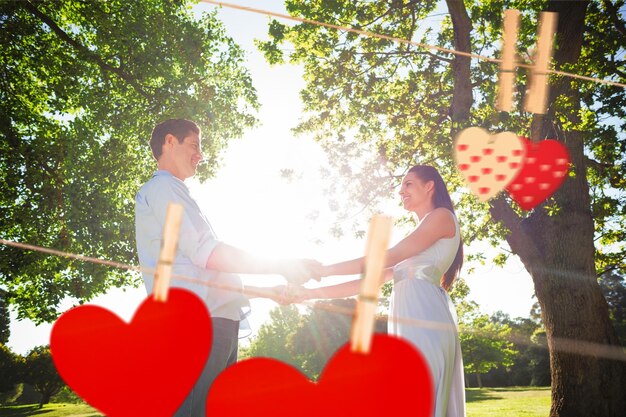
pixel 363 323
pixel 163 273
pixel 537 96
pixel 508 65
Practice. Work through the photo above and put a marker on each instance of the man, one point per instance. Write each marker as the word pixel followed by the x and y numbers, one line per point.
pixel 176 146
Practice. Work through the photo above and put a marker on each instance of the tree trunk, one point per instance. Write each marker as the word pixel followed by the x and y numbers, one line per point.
pixel 478 380
pixel 558 251
pixel 462 96
pixel 45 399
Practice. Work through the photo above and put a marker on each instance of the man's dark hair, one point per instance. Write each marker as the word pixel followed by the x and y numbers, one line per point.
pixel 177 127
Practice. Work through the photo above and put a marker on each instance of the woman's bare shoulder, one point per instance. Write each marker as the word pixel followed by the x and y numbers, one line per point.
pixel 444 219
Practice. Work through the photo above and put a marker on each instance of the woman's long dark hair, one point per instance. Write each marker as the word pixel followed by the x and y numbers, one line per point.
pixel 441 198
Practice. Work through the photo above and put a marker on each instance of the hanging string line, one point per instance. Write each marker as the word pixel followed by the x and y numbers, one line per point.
pixel 402 41
pixel 558 344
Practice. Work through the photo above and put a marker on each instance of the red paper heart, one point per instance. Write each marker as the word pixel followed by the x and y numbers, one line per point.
pixel 145 368
pixel 352 384
pixel 544 169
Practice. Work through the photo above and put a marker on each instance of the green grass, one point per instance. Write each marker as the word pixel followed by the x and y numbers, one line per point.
pixel 486 402
pixel 49 410
pixel 509 402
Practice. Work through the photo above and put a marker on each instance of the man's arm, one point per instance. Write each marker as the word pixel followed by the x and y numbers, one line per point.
pixel 198 243
pixel 226 258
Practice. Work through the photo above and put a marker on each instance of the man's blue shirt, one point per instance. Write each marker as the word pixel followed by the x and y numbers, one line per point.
pixel 196 242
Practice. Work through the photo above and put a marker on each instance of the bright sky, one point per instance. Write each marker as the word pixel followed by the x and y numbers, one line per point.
pixel 252 207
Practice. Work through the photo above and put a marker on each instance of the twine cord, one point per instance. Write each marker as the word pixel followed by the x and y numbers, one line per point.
pixel 559 344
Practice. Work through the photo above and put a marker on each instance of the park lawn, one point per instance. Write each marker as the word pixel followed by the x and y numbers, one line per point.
pixel 486 402
pixel 509 402
pixel 49 410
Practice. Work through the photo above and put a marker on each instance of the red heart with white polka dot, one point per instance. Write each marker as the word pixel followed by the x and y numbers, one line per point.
pixel 544 169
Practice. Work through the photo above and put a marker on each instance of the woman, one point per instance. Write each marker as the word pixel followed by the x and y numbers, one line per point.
pixel 423 266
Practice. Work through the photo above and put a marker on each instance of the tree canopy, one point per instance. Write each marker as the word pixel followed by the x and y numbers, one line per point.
pixel 41 373
pixel 484 343
pixel 274 337
pixel 378 107
pixel 82 84
pixel 10 367
pixel 5 321
pixel 614 289
pixel 306 341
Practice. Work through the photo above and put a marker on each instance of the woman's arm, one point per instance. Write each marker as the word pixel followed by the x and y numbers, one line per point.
pixel 274 293
pixel 343 290
pixel 284 294
pixel 437 225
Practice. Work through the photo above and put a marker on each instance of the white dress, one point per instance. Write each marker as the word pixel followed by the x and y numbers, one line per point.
pixel 417 296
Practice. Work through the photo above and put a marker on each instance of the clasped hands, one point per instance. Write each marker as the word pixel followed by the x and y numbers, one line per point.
pixel 296 272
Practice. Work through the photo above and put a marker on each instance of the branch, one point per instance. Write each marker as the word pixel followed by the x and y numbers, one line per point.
pixel 519 241
pixel 412 31
pixel 82 49
pixel 611 268
pixel 478 230
pixel 601 167
pixel 448 60
pixel 441 92
pixel 406 52
pixel 616 67
pixel 391 8
pixel 613 14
